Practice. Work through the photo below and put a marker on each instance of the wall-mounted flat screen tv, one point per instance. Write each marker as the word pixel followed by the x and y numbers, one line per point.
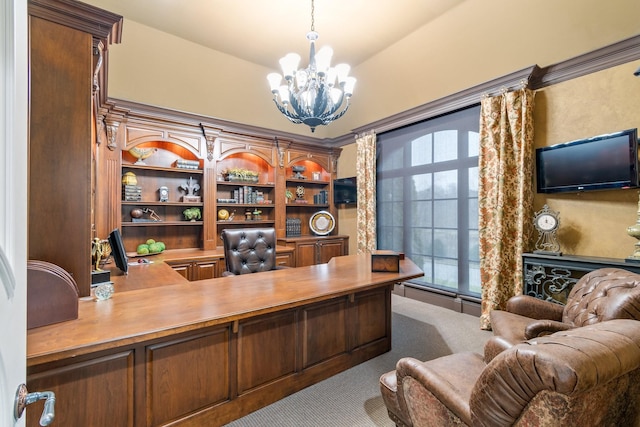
pixel 345 191
pixel 597 163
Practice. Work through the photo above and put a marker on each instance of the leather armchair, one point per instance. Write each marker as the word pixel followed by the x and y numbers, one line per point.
pixel 249 250
pixel 604 294
pixel 583 376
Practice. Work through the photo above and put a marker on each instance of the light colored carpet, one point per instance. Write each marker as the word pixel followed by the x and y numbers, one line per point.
pixel 352 398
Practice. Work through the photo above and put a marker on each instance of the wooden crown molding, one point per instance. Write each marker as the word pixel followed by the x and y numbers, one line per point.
pixel 100 23
pixel 610 56
pixel 533 77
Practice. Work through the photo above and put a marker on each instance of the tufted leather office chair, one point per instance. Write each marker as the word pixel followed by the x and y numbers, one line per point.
pixel 587 376
pixel 603 294
pixel 249 250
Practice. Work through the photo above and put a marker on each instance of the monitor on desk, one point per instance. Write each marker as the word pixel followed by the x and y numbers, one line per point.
pixel 117 250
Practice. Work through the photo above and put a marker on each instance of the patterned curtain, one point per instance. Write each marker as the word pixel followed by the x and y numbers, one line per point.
pixel 366 181
pixel 505 195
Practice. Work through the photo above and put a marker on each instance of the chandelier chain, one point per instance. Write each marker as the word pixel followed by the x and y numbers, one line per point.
pixel 313 21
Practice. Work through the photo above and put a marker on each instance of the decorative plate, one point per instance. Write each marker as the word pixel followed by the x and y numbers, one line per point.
pixel 322 223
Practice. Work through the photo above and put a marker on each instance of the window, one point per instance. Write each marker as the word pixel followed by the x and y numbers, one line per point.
pixel 427 190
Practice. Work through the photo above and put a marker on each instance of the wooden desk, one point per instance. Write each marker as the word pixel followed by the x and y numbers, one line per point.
pixel 207 352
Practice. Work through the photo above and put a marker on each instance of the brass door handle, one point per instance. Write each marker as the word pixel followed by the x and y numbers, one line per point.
pixel 24 398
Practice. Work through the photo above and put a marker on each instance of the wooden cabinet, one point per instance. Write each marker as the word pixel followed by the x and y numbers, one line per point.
pixel 243 179
pixel 310 250
pixel 198 269
pixel 108 401
pixel 63 37
pixel 285 259
pixel 148 214
pixel 308 191
pixel 245 192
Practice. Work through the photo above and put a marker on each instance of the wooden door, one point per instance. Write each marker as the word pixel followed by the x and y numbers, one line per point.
pixel 13 250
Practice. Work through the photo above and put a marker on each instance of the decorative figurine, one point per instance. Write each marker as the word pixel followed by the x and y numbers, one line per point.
pixel 100 252
pixel 298 170
pixel 190 188
pixel 141 154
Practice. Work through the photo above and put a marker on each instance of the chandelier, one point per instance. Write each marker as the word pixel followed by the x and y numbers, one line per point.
pixel 311 95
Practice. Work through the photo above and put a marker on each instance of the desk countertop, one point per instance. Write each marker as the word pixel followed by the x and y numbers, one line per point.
pixel 153 301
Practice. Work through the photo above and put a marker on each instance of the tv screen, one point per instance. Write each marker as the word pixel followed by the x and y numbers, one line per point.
pixel 345 191
pixel 117 250
pixel 597 163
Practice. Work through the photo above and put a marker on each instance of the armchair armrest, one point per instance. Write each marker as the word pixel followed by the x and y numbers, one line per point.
pixel 545 327
pixel 433 391
pixel 535 308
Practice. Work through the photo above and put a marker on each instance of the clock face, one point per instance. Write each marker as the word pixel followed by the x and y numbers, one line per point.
pixel 546 222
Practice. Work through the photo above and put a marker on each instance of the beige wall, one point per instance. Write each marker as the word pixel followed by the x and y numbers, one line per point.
pixel 460 49
pixel 592 223
pixel 472 43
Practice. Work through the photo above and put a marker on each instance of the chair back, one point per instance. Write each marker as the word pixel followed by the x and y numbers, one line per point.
pixel 603 294
pixel 249 250
pixel 583 376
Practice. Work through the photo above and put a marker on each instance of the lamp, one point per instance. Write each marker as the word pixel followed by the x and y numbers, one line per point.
pixel 311 95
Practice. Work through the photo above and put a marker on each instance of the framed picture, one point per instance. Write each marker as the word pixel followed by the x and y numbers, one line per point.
pixel 316 176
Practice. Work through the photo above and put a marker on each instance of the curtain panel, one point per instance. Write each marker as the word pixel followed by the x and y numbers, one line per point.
pixel 505 192
pixel 366 187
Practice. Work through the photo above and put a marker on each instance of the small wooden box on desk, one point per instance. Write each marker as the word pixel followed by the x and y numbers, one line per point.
pixel 387 261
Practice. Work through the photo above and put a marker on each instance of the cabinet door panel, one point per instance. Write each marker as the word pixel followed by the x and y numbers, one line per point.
pixel 82 399
pixel 329 249
pixel 324 327
pixel 266 350
pixel 205 270
pixel 187 375
pixel 284 260
pixel 306 254
pixel 182 269
pixel 371 317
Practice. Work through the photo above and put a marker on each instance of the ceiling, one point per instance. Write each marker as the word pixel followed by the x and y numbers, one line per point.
pixel 263 31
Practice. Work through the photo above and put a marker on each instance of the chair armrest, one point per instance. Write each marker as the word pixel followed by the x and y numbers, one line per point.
pixel 496 345
pixel 545 327
pixel 227 273
pixel 448 379
pixel 535 308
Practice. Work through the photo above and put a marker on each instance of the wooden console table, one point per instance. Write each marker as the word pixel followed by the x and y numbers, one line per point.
pixel 551 277
pixel 173 352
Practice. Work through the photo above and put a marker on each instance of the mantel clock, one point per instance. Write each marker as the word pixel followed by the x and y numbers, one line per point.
pixel 547 222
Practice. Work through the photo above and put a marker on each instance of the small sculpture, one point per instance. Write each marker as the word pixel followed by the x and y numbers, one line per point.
pixel 192 214
pixel 190 187
pixel 153 216
pixel 141 154
pixel 100 251
pixel 298 170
